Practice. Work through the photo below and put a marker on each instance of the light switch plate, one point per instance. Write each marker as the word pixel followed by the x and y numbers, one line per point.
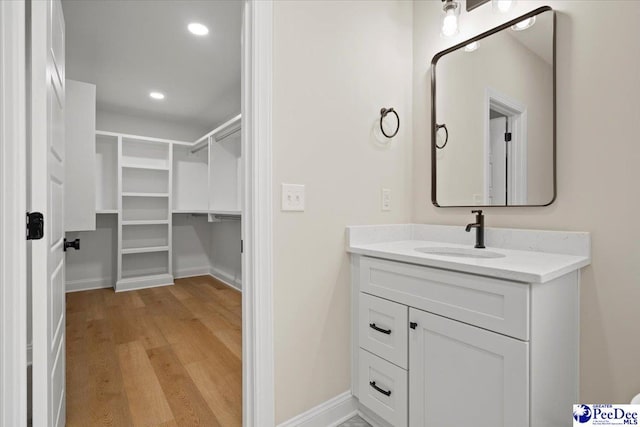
pixel 386 199
pixel 293 197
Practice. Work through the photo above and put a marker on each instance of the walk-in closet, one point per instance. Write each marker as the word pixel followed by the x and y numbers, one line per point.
pixel 152 213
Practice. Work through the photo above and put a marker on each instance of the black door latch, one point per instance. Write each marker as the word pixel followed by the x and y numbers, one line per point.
pixel 35 226
pixel 75 244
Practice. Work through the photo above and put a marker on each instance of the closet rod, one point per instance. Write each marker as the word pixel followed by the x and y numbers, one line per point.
pixel 204 140
pixel 230 217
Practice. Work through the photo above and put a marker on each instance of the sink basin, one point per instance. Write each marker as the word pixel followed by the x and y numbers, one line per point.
pixel 460 252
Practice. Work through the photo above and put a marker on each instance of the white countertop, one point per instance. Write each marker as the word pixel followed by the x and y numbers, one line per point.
pixel 399 243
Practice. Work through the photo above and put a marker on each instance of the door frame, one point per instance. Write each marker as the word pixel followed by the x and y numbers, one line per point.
pixel 257 264
pixel 517 117
pixel 13 205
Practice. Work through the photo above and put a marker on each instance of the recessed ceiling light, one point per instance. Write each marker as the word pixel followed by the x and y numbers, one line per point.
pixel 524 24
pixel 471 47
pixel 198 29
pixel 156 95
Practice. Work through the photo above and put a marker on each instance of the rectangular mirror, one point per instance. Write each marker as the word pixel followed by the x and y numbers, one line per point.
pixel 493 117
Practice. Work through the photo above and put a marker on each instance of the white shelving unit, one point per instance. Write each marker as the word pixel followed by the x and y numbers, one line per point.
pixel 144 208
pixel 144 181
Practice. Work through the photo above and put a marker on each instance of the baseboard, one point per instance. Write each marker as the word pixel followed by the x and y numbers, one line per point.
pixel 87 285
pixel 331 413
pixel 143 282
pixel 192 272
pixel 225 278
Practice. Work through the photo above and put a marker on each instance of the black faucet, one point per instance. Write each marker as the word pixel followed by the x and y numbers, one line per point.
pixel 479 226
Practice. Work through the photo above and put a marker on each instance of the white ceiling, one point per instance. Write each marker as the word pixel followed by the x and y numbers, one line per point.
pixel 129 48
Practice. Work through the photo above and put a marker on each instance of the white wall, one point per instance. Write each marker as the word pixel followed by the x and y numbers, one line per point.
pixel 191 245
pixel 114 121
pixel 335 65
pixel 226 258
pixel 598 104
pixel 95 264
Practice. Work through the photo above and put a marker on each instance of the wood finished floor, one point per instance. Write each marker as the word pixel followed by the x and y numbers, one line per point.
pixel 168 356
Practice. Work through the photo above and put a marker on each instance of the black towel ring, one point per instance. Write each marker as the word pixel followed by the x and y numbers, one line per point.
pixel 446 138
pixel 383 114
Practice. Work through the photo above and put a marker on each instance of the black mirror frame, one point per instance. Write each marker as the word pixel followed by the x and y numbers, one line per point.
pixel 434 61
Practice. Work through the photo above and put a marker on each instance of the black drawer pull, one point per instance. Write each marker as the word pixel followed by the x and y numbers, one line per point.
pixel 383 391
pixel 384 331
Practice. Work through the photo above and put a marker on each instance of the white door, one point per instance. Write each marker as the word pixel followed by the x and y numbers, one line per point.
pixel 462 375
pixel 498 161
pixel 47 196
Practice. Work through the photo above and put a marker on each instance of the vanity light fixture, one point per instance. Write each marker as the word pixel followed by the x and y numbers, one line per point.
pixel 451 10
pixel 502 6
pixel 156 95
pixel 198 29
pixel 472 46
pixel 524 24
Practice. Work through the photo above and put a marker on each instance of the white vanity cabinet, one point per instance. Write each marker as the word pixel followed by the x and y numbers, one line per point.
pixel 461 372
pixel 436 347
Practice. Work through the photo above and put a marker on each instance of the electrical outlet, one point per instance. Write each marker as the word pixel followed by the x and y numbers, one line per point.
pixel 293 197
pixel 386 199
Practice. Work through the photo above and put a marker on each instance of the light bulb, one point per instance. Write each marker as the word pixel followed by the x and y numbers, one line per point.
pixel 471 47
pixel 450 23
pixel 503 6
pixel 523 25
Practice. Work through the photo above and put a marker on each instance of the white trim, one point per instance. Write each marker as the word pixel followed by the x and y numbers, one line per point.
pixel 185 273
pixel 226 278
pixel 518 111
pixel 257 275
pixel 144 282
pixel 88 284
pixel 13 205
pixel 331 413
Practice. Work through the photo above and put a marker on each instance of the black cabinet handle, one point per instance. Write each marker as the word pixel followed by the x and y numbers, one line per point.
pixel 381 390
pixel 384 331
pixel 413 325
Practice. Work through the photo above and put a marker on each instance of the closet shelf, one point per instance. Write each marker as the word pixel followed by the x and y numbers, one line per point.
pixel 147 167
pixel 131 194
pixel 106 211
pixel 148 249
pixel 146 222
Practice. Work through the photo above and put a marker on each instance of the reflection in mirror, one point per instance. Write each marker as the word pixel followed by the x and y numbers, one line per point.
pixel 495 95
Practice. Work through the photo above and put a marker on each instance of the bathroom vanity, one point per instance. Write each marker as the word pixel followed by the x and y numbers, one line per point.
pixel 447 335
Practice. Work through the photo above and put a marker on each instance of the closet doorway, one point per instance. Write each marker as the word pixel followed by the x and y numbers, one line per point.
pixel 152 214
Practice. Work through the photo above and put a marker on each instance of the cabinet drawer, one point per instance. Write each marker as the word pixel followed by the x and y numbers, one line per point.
pixel 383 388
pixel 494 304
pixel 383 328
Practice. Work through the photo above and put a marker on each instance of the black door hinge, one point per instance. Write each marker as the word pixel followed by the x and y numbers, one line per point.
pixel 35 226
pixel 507 137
